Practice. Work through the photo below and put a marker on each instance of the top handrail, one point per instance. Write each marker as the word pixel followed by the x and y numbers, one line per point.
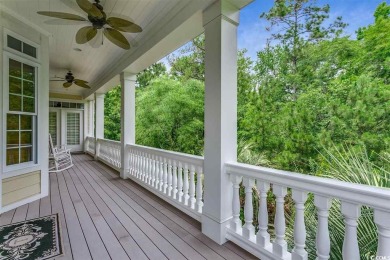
pixel 181 157
pixel 376 197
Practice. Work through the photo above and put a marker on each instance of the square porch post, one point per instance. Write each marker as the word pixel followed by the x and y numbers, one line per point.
pixel 99 121
pixel 128 81
pixel 220 22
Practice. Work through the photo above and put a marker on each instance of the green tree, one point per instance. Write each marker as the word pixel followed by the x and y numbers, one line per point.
pixel 112 114
pixel 170 115
pixel 298 23
pixel 154 71
pixel 189 63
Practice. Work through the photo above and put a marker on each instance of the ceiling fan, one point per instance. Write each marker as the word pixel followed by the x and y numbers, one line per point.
pixel 112 26
pixel 69 78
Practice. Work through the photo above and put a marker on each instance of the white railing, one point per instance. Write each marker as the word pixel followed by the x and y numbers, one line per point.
pixel 351 196
pixel 175 177
pixel 90 145
pixel 109 152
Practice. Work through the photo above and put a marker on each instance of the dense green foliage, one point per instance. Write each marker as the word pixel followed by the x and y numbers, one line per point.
pixel 314 101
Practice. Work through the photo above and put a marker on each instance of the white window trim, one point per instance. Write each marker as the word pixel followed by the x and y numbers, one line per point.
pixel 35 162
pixel 23 39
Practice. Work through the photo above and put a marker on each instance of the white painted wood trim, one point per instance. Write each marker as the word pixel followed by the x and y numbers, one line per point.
pixel 351 192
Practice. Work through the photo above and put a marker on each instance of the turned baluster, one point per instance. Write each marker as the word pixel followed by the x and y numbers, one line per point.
pixel 142 166
pixel 192 187
pixel 248 230
pixel 185 185
pixel 169 178
pixel 351 213
pixel 165 176
pixel 162 180
pixel 147 170
pixel 262 237
pixel 180 182
pixel 235 223
pixel 138 163
pixel 199 190
pixel 382 221
pixel 299 252
pixel 174 179
pixel 280 244
pixel 157 172
pixel 322 238
pixel 153 170
pixel 131 162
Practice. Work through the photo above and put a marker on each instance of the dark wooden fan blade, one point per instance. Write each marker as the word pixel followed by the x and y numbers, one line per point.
pixel 60 15
pixel 67 84
pixel 116 38
pixel 81 84
pixel 123 25
pixel 85 34
pixel 80 80
pixel 89 8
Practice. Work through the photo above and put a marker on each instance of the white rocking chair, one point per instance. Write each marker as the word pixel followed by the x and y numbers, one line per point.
pixel 60 158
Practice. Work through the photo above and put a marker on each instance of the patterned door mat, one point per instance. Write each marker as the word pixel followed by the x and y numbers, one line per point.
pixel 38 238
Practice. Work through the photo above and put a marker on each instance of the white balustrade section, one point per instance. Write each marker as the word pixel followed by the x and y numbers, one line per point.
pixel 110 153
pixel 281 183
pixel 174 177
pixel 90 145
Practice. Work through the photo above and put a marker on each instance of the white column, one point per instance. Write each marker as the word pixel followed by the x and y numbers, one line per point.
pixel 220 22
pixel 91 117
pixel 127 118
pixel 86 126
pixel 99 121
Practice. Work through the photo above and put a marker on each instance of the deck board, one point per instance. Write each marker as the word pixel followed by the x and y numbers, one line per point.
pixel 105 217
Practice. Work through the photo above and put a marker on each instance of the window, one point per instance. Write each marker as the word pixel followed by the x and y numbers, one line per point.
pixel 20 46
pixel 66 104
pixel 20 111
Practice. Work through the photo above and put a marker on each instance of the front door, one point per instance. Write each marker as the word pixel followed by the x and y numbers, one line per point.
pixel 72 121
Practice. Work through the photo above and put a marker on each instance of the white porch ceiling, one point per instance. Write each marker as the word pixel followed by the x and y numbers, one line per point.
pixel 97 65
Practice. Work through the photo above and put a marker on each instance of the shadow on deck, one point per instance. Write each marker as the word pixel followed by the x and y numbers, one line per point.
pixel 105 217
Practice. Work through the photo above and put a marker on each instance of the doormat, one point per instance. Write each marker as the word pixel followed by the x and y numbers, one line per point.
pixel 38 238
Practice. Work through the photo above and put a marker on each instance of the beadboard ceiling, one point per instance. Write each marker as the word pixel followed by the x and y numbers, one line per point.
pixel 91 63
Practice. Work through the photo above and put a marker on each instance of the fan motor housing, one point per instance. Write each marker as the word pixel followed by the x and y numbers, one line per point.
pixel 98 23
pixel 69 77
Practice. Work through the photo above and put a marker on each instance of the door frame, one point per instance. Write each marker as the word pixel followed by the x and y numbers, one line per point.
pixel 74 148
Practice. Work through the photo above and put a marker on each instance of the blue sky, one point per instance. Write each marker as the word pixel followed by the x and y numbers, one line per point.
pixel 252 34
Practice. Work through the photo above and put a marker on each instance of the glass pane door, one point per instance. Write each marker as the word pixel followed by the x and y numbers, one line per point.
pixel 53 129
pixel 73 128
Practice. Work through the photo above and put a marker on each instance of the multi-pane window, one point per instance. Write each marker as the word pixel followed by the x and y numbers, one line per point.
pixel 19 139
pixel 20 46
pixel 20 113
pixel 21 87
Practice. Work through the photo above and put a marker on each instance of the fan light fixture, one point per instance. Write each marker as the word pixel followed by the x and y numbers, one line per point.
pixel 70 79
pixel 112 26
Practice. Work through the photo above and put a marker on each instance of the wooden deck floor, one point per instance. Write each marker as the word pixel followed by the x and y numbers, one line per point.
pixel 105 217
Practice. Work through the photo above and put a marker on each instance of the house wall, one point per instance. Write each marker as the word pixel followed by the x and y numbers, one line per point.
pixel 26 184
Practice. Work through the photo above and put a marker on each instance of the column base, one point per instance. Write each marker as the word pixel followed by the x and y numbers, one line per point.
pixel 215 230
pixel 124 174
